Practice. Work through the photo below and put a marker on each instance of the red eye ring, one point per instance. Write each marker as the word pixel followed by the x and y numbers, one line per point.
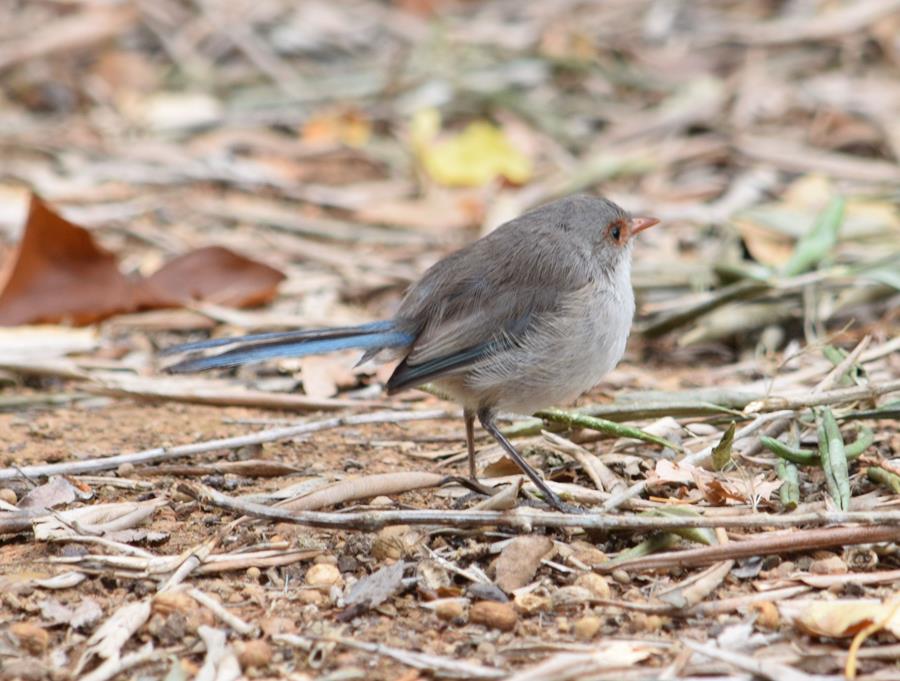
pixel 618 230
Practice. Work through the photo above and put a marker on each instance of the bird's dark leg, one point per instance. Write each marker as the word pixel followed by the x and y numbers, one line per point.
pixel 469 416
pixel 486 417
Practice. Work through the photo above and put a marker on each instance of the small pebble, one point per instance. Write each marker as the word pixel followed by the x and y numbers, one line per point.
pixel 449 609
pixel 394 542
pixel 8 495
pixel 253 572
pixel 311 597
pixel 587 627
pixel 494 615
pixel 832 565
pixel 767 616
pixel 486 592
pixel 31 637
pixel 125 470
pixel 596 584
pixel 168 602
pixel 255 654
pixel 531 603
pixel 570 597
pixel 621 576
pixel 588 554
pixel 324 576
pixel 653 623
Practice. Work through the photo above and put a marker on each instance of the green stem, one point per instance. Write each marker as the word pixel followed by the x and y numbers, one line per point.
pixel 574 419
pixel 807 457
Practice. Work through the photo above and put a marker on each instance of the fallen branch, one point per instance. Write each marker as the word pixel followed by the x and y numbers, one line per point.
pixel 788 542
pixel 526 519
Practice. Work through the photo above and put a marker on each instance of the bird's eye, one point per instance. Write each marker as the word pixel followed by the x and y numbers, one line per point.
pixel 617 231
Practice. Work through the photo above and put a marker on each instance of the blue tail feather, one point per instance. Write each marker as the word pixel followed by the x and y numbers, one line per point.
pixel 271 349
pixel 285 336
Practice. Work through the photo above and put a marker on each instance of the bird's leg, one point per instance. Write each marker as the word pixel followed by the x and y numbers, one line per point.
pixel 486 417
pixel 469 416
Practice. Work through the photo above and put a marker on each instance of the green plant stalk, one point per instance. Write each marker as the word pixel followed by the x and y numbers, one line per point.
pixel 789 493
pixel 838 456
pixel 807 457
pixel 721 453
pixel 891 410
pixel 836 356
pixel 816 244
pixel 575 420
pixel 707 536
pixel 880 476
pixel 834 459
pixel 654 544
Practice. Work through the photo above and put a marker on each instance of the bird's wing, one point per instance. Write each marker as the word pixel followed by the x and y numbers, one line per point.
pixel 478 302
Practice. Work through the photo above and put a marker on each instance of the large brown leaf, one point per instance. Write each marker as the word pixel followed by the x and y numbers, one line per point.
pixel 214 274
pixel 59 274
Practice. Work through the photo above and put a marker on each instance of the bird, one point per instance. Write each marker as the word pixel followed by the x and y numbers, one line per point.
pixel 531 315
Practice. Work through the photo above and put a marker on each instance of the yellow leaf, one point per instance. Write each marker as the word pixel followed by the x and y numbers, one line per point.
pixel 476 156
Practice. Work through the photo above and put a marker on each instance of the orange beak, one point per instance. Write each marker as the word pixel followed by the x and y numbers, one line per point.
pixel 640 224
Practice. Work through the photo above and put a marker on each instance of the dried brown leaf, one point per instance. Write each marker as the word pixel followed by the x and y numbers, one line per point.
pixel 519 561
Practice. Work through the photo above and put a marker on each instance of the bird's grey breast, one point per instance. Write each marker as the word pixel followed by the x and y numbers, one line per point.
pixel 565 351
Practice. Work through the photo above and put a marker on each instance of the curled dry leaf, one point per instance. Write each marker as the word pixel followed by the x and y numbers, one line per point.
pixel 107 641
pixel 56 492
pixel 375 589
pixel 60 274
pixel 519 561
pixel 57 256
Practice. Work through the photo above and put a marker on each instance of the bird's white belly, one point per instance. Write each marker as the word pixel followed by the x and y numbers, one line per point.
pixel 564 358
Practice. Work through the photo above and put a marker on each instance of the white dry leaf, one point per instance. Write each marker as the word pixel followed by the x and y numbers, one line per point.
pixel 64 580
pixel 220 663
pixel 55 612
pixel 55 492
pixel 34 343
pixel 107 641
pixel 671 471
pixel 566 666
pixel 375 589
pixel 320 376
pixel 87 612
pixel 101 519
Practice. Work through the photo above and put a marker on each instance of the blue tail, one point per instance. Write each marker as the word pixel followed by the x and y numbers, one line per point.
pixel 260 347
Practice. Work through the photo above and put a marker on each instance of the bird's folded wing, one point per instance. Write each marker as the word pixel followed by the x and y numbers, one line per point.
pixel 474 334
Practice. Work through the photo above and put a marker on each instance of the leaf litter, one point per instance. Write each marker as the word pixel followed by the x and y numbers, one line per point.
pixel 314 159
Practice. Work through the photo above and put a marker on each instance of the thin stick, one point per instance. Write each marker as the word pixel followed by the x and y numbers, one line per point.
pixel 788 542
pixel 827 397
pixel 522 518
pixel 167 453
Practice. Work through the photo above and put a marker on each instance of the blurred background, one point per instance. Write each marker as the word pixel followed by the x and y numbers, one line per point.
pixel 351 144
